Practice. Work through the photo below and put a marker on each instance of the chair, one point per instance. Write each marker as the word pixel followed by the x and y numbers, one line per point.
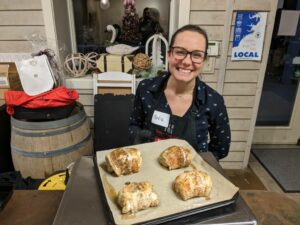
pixel 111 120
pixel 117 83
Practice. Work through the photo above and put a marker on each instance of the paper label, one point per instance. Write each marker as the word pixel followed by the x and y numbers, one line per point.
pixel 160 118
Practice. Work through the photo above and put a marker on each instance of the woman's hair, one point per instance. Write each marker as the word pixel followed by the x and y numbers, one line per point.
pixel 193 28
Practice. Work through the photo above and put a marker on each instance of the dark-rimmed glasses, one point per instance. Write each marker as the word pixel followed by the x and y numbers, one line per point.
pixel 180 53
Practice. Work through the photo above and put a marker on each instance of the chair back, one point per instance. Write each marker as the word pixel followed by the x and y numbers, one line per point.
pixel 117 83
pixel 111 120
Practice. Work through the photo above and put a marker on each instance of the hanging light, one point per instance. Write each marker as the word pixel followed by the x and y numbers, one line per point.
pixel 104 4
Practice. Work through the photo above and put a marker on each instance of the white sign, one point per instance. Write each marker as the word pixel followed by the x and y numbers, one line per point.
pixel 249 32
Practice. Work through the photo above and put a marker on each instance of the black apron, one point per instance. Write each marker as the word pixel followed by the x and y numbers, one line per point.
pixel 178 127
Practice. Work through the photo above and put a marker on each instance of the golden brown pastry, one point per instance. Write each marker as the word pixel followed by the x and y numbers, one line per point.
pixel 137 196
pixel 176 157
pixel 123 161
pixel 192 184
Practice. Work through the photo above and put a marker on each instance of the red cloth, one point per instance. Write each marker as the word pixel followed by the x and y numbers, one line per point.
pixel 59 96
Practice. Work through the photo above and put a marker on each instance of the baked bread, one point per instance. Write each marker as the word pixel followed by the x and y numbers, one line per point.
pixel 123 161
pixel 192 184
pixel 134 197
pixel 176 157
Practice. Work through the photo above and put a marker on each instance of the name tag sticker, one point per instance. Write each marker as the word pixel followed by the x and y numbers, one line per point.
pixel 160 118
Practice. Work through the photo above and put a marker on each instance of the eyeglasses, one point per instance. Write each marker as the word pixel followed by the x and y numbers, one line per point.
pixel 180 53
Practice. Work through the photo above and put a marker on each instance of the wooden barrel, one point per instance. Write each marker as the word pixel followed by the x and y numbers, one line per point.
pixel 41 148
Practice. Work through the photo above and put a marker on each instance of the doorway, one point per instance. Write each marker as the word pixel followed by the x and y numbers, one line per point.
pixel 279 110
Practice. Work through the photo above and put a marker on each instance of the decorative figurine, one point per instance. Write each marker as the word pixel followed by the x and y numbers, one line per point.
pixel 92 58
pixel 130 24
pixel 156 54
pixel 149 24
pixel 116 32
pixel 76 65
pixel 141 61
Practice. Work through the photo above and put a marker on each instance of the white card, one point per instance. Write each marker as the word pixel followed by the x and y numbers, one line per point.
pixel 160 118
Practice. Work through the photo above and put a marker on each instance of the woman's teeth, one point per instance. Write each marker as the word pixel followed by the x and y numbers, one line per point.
pixel 184 70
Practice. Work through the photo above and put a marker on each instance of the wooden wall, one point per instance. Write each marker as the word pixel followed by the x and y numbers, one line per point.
pixel 240 82
pixel 19 19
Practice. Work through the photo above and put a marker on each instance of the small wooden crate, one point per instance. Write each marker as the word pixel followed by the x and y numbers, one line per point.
pixel 109 62
pixel 10 80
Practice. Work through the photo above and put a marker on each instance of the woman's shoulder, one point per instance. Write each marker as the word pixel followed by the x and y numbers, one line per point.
pixel 152 83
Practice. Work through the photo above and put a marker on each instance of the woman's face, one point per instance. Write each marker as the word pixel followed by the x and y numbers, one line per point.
pixel 185 70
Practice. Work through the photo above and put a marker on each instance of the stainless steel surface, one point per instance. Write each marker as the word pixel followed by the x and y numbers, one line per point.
pixel 82 204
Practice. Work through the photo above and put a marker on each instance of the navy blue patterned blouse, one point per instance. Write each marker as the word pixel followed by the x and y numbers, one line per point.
pixel 212 123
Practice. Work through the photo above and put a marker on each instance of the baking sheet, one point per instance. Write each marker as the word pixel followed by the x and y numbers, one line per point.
pixel 162 180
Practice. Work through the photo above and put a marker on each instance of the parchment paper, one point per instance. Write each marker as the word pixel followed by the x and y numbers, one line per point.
pixel 162 180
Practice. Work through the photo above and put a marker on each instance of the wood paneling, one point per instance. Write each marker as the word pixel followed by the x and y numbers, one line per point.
pixel 239 89
pixel 15 46
pixel 238 124
pixel 20 32
pixel 238 146
pixel 214 33
pixel 239 101
pixel 241 76
pixel 85 82
pixel 20 5
pixel 85 91
pixel 207 17
pixel 212 78
pixel 86 99
pixel 253 5
pixel 213 5
pixel 242 65
pixel 239 113
pixel 21 18
pixel 239 135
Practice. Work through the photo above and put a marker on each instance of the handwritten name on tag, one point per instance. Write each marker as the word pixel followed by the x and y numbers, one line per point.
pixel 160 118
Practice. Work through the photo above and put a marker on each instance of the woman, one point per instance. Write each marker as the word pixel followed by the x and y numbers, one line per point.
pixel 179 105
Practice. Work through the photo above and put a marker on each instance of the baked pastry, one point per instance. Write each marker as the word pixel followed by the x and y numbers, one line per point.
pixel 134 197
pixel 123 161
pixel 192 184
pixel 176 157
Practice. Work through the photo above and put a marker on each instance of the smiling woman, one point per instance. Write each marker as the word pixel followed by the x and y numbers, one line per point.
pixel 188 108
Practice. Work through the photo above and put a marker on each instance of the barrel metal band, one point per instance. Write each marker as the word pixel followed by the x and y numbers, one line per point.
pixel 48 132
pixel 47 125
pixel 47 154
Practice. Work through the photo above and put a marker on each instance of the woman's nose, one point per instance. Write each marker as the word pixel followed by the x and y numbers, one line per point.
pixel 187 59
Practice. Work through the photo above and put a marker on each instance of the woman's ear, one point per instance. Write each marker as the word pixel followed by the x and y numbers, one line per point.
pixel 169 53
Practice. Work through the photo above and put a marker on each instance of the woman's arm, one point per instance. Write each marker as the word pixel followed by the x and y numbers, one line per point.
pixel 219 131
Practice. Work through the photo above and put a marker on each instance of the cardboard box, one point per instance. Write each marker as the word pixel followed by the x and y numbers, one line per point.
pixel 9 77
pixel 108 62
pixel 4 83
